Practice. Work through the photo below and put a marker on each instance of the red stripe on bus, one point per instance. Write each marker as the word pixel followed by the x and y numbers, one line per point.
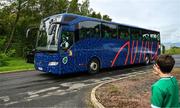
pixel 132 50
pixel 127 53
pixel 155 55
pixel 141 51
pixel 148 47
pixel 145 50
pixel 152 49
pixel 120 49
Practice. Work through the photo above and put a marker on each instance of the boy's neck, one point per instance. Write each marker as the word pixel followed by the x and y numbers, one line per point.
pixel 164 75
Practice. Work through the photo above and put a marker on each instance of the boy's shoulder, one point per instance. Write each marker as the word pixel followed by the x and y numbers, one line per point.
pixel 164 82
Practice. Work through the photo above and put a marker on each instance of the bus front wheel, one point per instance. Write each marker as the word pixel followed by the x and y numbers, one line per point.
pixel 94 66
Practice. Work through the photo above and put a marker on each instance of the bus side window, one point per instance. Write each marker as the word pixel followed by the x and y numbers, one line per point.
pixel 123 33
pixel 109 30
pixel 145 35
pixel 114 32
pixel 140 35
pixel 89 29
pixel 158 37
pixel 153 36
pixel 135 34
pixel 67 39
pixel 105 33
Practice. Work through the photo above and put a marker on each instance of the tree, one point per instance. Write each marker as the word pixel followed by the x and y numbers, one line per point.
pixel 74 7
pixel 19 15
pixel 96 15
pixel 106 17
pixel 62 6
pixel 85 8
pixel 17 9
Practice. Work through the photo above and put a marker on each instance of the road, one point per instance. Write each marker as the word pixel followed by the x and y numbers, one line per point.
pixel 38 89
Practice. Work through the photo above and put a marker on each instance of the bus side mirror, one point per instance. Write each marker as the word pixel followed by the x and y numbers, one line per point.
pixel 29 30
pixel 27 33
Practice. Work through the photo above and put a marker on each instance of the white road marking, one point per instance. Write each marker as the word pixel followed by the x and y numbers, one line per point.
pixel 66 84
pixel 77 86
pixel 33 96
pixel 72 87
pixel 5 98
pixel 43 90
pixel 10 103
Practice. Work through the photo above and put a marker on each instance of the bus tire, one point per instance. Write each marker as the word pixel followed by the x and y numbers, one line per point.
pixel 147 60
pixel 93 66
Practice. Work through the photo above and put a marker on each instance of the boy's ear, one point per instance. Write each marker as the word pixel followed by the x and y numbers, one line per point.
pixel 158 68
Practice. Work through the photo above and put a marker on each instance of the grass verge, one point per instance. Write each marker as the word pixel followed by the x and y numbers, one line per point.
pixel 16 64
pixel 173 51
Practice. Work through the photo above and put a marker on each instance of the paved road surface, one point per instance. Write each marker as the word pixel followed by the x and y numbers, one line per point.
pixel 37 89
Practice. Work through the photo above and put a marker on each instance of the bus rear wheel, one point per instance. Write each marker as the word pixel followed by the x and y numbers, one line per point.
pixel 94 66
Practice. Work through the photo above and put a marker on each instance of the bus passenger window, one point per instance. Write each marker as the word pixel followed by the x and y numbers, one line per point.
pixel 158 37
pixel 109 30
pixel 89 29
pixel 123 32
pixel 135 34
pixel 153 36
pixel 145 35
pixel 96 32
pixel 67 39
pixel 106 34
pixel 122 35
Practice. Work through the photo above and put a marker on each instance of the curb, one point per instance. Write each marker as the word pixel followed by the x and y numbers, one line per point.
pixel 16 71
pixel 94 100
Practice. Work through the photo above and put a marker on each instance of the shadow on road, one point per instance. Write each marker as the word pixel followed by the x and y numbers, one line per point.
pixel 103 73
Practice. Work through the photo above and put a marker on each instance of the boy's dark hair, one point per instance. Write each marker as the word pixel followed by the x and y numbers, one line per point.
pixel 165 62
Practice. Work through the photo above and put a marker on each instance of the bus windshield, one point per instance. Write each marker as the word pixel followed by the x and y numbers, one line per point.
pixel 47 39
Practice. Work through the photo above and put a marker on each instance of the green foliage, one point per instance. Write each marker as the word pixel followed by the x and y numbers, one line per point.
pixel 16 18
pixel 16 64
pixel 84 8
pixel 11 53
pixel 106 17
pixel 173 50
pixel 3 59
pixel 2 42
pixel 74 7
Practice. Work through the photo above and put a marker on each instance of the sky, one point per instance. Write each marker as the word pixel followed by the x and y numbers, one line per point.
pixel 4 3
pixel 160 15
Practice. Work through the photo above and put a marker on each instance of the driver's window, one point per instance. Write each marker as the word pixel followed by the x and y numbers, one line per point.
pixel 67 39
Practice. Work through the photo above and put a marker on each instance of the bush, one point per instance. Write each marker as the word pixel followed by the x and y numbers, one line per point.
pixel 173 50
pixel 3 59
pixel 11 53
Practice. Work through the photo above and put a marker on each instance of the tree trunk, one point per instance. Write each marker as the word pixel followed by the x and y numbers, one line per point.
pixel 14 26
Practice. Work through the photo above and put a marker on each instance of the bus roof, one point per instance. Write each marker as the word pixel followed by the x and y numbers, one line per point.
pixel 85 18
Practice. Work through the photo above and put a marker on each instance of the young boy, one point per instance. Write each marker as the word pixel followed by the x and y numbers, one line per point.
pixel 165 92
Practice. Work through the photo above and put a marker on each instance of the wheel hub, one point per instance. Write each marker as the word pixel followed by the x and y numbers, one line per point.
pixel 93 66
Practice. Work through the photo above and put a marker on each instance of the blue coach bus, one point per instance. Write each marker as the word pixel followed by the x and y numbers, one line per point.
pixel 69 43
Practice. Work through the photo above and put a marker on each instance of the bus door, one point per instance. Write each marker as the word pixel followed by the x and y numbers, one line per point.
pixel 67 60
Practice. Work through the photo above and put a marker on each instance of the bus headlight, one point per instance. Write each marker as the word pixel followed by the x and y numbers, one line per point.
pixel 53 63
